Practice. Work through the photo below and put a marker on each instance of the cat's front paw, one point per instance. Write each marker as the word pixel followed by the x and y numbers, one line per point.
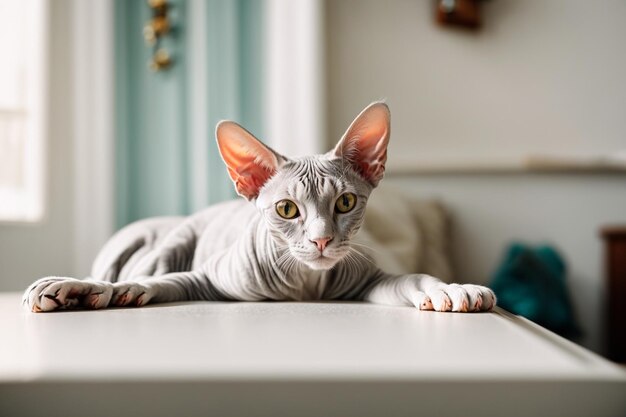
pixel 461 298
pixel 59 293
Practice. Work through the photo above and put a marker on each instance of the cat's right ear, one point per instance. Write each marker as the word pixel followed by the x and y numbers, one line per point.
pixel 249 162
pixel 364 145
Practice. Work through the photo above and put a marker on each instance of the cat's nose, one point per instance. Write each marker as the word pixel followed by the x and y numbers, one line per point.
pixel 322 242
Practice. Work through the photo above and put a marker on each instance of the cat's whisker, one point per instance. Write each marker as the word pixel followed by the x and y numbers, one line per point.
pixel 365 246
pixel 360 255
pixel 290 264
pixel 353 262
pixel 286 263
pixel 283 258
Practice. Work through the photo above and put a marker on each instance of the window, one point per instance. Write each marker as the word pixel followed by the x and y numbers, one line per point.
pixel 22 102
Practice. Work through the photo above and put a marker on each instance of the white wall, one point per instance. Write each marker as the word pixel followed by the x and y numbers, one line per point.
pixel 31 251
pixel 540 76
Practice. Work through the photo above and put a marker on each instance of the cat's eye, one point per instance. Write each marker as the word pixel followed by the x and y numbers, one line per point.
pixel 345 203
pixel 287 209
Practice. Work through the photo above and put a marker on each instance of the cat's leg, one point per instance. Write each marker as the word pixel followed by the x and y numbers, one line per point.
pixel 429 293
pixel 132 246
pixel 59 293
pixel 172 287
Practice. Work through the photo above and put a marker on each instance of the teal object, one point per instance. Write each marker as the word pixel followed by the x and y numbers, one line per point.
pixel 531 282
pixel 158 171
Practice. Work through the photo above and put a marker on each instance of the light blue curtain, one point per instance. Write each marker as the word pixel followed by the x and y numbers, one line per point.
pixel 157 171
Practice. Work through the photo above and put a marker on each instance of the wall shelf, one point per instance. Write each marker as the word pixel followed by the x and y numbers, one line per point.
pixel 530 165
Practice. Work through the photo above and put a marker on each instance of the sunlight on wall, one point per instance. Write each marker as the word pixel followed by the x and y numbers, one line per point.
pixel 22 96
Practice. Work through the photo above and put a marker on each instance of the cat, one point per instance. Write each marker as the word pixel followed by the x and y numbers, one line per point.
pixel 293 243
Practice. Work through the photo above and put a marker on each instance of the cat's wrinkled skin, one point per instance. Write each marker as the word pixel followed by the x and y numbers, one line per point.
pixel 248 252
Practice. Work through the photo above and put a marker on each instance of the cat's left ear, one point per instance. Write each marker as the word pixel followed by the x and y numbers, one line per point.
pixel 249 162
pixel 364 145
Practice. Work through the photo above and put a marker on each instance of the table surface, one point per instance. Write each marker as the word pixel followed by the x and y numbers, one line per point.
pixel 281 341
pixel 284 359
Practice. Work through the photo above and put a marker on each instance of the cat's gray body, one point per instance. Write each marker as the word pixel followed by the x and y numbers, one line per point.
pixel 159 245
pixel 230 251
pixel 295 242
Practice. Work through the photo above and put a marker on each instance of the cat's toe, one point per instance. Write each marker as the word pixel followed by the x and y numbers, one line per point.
pixel 440 300
pixel 142 300
pixel 98 299
pixel 130 294
pixel 474 296
pixel 420 300
pixel 120 300
pixel 458 297
pixel 45 295
pixel 488 298
pixel 50 302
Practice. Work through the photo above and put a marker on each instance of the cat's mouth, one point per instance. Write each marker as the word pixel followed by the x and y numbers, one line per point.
pixel 322 262
pixel 319 261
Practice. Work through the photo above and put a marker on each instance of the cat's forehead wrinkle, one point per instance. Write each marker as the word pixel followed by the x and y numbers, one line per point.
pixel 315 181
pixel 300 190
pixel 311 177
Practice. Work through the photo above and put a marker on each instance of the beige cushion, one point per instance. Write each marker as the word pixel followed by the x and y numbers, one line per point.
pixel 406 235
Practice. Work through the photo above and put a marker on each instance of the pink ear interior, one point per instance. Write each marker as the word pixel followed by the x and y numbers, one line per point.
pixel 365 142
pixel 250 163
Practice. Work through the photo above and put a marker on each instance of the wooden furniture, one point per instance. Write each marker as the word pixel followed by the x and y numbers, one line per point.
pixel 615 252
pixel 465 13
pixel 295 359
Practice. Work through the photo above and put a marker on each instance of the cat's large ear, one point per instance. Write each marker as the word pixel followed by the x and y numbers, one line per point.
pixel 250 163
pixel 364 145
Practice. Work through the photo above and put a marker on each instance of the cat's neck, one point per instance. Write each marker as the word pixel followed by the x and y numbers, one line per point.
pixel 304 282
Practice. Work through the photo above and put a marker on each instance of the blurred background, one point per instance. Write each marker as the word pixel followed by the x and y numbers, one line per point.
pixel 511 114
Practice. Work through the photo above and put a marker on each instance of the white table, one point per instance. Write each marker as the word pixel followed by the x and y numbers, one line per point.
pixel 294 359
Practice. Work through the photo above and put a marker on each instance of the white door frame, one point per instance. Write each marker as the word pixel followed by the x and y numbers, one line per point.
pixel 93 128
pixel 295 90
